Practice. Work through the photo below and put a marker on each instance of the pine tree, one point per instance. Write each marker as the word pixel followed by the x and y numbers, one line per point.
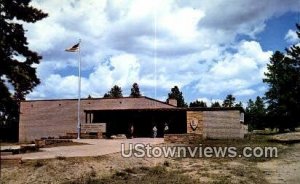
pixel 259 105
pixel 115 92
pixel 229 101
pixel 283 79
pixel 250 105
pixel 106 95
pixel 198 103
pixel 293 60
pixel 256 114
pixel 135 91
pixel 240 104
pixel 215 104
pixel 17 78
pixel 177 94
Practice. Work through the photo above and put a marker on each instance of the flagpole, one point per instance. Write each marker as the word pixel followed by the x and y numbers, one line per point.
pixel 79 92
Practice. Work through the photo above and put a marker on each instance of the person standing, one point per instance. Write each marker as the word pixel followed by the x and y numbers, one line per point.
pixel 166 129
pixel 131 130
pixel 154 130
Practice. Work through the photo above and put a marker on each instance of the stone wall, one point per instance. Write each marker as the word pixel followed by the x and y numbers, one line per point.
pixel 54 118
pixel 50 118
pixel 216 124
pixel 222 124
pixel 194 120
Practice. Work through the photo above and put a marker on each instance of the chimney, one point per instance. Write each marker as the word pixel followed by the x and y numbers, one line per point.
pixel 172 101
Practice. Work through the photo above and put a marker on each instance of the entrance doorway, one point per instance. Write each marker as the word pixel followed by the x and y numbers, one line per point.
pixel 143 121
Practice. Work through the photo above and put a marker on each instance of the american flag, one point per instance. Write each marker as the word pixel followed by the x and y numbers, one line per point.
pixel 74 48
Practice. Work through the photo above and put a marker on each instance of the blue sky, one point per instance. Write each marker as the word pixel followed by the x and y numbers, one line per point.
pixel 272 38
pixel 207 48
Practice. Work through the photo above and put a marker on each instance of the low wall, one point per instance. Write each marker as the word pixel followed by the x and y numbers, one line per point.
pixel 43 142
pixel 182 138
pixel 93 127
pixel 73 135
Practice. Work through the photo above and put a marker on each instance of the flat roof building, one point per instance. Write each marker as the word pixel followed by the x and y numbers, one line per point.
pixel 113 116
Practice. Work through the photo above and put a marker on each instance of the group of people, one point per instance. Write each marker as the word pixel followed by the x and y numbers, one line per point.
pixel 154 130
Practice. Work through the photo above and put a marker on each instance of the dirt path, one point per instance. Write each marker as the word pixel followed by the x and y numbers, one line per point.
pixel 285 169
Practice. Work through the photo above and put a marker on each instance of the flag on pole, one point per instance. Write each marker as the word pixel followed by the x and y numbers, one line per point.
pixel 74 48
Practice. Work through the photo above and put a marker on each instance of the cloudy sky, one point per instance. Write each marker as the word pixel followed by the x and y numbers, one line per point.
pixel 207 48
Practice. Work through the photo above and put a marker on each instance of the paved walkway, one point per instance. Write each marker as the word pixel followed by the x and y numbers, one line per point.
pixel 96 147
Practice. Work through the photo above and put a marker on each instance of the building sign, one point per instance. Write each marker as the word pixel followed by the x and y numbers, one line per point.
pixel 194 124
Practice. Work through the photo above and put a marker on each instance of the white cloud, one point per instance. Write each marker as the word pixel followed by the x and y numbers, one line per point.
pixel 235 71
pixel 122 70
pixel 196 45
pixel 291 37
pixel 241 17
pixel 244 92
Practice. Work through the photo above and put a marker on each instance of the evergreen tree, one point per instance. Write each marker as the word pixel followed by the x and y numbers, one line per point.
pixel 215 104
pixel 177 94
pixel 229 101
pixel 115 92
pixel 283 95
pixel 250 105
pixel 17 76
pixel 240 104
pixel 106 95
pixel 293 60
pixel 249 115
pixel 135 91
pixel 256 114
pixel 259 105
pixel 198 104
